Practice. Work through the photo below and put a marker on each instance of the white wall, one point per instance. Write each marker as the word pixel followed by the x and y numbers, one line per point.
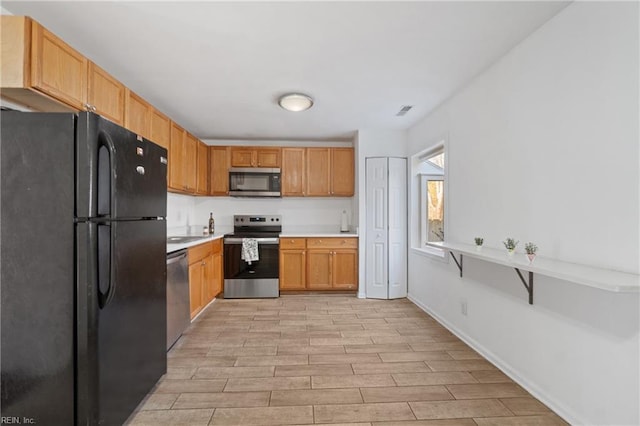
pixel 371 143
pixel 298 214
pixel 543 146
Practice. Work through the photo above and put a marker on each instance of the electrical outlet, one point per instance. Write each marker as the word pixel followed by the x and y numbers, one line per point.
pixel 463 307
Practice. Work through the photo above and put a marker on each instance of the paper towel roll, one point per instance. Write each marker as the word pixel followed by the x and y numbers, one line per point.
pixel 344 224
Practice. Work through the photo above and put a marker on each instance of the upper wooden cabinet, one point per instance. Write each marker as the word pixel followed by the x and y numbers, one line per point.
pixel 293 171
pixel 57 69
pixel 190 162
pixel 202 169
pixel 42 72
pixel 176 156
pixel 160 129
pixel 330 172
pixel 342 172
pixel 318 172
pixel 268 157
pixel 183 161
pixel 138 113
pixel 242 157
pixel 255 157
pixel 105 94
pixel 218 170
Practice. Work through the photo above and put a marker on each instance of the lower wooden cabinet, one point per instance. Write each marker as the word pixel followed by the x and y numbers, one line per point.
pixel 205 274
pixel 318 263
pixel 319 268
pixel 293 263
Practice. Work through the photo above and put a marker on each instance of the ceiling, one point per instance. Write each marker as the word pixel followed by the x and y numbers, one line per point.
pixel 217 68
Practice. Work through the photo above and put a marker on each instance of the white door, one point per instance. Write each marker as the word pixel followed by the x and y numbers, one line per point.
pixel 376 264
pixel 397 238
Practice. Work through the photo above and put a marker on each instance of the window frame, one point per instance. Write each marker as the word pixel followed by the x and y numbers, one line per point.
pixel 419 224
pixel 424 212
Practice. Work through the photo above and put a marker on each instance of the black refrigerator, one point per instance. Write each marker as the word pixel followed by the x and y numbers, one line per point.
pixel 83 268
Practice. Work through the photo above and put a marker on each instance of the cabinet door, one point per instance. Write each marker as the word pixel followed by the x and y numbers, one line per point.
pixel 209 281
pixel 219 170
pixel 293 171
pixel 345 269
pixel 242 157
pixel 218 276
pixel 195 287
pixel 319 263
pixel 57 69
pixel 176 179
pixel 190 162
pixel 106 94
pixel 137 116
pixel 160 129
pixel 342 172
pixel 318 172
pixel 292 269
pixel 202 184
pixel 268 157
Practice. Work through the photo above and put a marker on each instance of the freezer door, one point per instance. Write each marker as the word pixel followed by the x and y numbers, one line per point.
pixel 119 174
pixel 37 275
pixel 130 301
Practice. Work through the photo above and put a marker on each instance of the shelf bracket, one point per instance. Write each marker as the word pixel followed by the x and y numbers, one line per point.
pixel 459 264
pixel 528 286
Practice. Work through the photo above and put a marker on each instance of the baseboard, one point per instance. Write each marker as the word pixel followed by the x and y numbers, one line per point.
pixel 507 369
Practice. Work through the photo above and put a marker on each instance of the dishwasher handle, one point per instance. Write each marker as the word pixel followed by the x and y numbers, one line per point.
pixel 176 257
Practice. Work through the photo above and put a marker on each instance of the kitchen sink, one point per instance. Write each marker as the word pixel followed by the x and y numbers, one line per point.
pixel 184 239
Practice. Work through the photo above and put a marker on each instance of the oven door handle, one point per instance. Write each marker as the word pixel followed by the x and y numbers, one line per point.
pixel 265 241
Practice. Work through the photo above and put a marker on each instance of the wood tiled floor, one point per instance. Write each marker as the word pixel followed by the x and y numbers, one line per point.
pixel 330 360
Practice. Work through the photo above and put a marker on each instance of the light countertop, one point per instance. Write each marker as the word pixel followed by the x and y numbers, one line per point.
pixel 194 231
pixel 316 231
pixel 205 239
pixel 287 232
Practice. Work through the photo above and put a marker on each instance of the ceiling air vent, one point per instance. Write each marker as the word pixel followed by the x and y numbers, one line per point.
pixel 405 109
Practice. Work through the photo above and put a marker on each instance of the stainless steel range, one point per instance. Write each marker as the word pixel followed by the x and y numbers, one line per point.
pixel 255 278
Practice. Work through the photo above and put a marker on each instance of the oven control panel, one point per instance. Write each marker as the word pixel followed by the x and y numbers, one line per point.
pixel 257 221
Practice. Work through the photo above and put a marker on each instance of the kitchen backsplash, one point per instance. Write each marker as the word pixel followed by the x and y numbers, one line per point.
pixel 184 210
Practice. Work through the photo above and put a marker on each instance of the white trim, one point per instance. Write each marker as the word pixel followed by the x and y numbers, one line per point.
pixel 431 253
pixel 503 366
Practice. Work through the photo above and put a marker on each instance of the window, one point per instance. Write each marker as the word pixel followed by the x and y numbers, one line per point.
pixel 432 196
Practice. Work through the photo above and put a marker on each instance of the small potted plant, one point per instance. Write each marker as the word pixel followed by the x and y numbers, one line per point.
pixel 531 250
pixel 479 241
pixel 510 244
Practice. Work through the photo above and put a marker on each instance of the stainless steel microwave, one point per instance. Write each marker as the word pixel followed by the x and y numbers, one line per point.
pixel 254 182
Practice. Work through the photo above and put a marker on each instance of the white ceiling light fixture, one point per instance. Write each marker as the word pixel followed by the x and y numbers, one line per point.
pixel 295 102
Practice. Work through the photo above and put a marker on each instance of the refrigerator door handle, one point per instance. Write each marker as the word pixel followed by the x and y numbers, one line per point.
pixel 106 285
pixel 106 175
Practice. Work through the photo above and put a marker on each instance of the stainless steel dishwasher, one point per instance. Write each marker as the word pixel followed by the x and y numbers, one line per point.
pixel 178 312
